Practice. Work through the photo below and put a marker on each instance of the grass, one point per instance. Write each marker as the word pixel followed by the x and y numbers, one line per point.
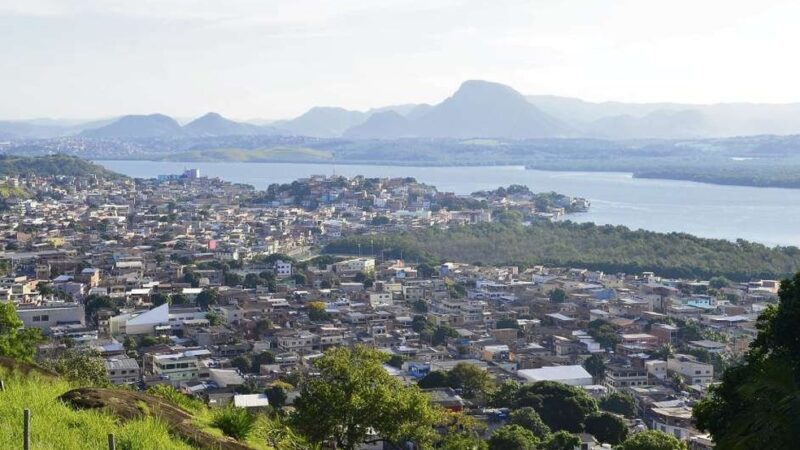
pixel 54 425
pixel 7 191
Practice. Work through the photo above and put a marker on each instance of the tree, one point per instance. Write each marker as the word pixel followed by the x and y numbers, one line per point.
pixel 213 318
pixel 159 299
pixel 663 352
pixel 505 396
pixel 353 395
pixel 94 303
pixel 231 279
pixel 604 333
pixel 251 281
pixel 561 407
pixel 277 394
pixel 719 282
pixel 265 357
pixel 178 299
pixel 558 295
pixel 434 379
pixel 757 404
pixel 619 403
pixel 512 437
pixel 529 419
pixel 561 440
pixel 242 363
pixel 459 441
pixel 471 379
pixel 207 297
pixel 606 427
pixel 595 366
pixel 86 369
pixel 16 342
pixel 506 323
pixel 316 311
pixel 652 440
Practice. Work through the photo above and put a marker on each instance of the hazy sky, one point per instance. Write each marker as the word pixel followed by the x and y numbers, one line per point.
pixel 274 59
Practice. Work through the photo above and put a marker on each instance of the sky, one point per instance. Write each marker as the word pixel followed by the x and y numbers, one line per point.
pixel 273 59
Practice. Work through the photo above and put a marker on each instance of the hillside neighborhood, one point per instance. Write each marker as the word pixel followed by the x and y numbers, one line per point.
pixel 224 293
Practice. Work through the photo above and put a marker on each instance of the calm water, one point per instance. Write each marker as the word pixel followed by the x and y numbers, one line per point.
pixel 766 215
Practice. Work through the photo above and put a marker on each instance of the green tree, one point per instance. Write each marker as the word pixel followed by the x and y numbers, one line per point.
pixel 460 441
pixel 719 282
pixel 214 318
pixel 178 299
pixel 353 395
pixel 16 342
pixel 512 437
pixel 86 369
pixel 316 311
pixel 207 297
pixel 652 440
pixel 561 407
pixel 529 419
pixel 159 299
pixel 595 366
pixel 242 363
pixel 619 403
pixel 663 352
pixel 561 440
pixel 505 396
pixel 434 379
pixel 757 405
pixel 262 358
pixel 474 381
pixel 277 394
pixel 558 295
pixel 606 427
pixel 604 333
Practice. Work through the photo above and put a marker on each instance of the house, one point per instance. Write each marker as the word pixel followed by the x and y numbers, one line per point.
pixel 52 314
pixel 122 370
pixel 691 370
pixel 573 375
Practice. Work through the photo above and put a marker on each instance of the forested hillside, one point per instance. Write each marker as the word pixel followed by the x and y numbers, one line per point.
pixel 608 248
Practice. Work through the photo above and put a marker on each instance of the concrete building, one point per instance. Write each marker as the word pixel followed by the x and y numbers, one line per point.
pixel 573 375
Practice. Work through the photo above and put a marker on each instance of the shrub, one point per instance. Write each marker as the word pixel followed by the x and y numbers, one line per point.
pixel 176 397
pixel 234 422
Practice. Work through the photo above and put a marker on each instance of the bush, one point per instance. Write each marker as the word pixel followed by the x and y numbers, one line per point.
pixel 176 397
pixel 234 422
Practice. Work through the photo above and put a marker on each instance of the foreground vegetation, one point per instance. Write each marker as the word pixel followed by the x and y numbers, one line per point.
pixel 611 249
pixel 57 426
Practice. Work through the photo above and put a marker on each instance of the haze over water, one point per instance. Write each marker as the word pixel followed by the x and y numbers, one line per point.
pixel 766 215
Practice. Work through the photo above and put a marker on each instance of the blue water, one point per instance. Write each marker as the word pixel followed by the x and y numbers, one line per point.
pixel 767 215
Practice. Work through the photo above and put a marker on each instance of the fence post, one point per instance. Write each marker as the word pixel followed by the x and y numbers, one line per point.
pixel 112 444
pixel 26 429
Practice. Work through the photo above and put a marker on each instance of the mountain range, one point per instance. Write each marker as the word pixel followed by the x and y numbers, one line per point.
pixel 478 109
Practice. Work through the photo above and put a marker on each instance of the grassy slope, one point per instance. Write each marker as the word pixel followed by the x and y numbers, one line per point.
pixel 7 191
pixel 54 425
pixel 57 426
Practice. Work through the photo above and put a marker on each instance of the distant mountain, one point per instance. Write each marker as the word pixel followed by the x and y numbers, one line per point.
pixel 213 124
pixel 477 109
pixel 137 126
pixel 323 122
pixel 619 120
pixel 28 130
pixel 382 125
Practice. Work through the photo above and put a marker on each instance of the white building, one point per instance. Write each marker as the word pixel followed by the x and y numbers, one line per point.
pixel 573 375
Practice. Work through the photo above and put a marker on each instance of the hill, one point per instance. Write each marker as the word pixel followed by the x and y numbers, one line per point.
pixel 323 122
pixel 213 124
pixel 137 126
pixel 611 249
pixel 485 109
pixel 56 425
pixel 382 125
pixel 13 165
pixel 67 416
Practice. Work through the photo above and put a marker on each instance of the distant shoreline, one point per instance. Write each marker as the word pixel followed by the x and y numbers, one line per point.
pixel 673 176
